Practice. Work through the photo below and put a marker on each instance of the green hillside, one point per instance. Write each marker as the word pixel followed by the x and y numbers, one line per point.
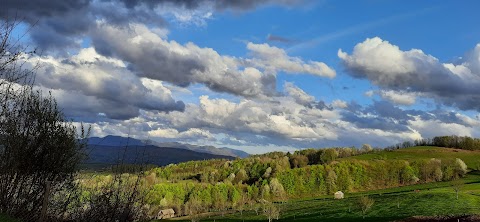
pixel 426 199
pixel 432 199
pixel 471 158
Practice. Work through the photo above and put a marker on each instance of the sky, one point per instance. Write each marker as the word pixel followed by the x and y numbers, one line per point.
pixel 259 76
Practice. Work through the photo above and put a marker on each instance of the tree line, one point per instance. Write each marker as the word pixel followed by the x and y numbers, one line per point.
pixel 457 142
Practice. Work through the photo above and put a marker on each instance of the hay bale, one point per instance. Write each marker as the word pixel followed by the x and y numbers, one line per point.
pixel 338 195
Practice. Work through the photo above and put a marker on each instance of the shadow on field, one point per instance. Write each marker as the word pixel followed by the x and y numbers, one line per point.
pixel 442 219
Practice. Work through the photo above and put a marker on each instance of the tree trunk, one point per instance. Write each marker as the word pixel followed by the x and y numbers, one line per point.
pixel 45 201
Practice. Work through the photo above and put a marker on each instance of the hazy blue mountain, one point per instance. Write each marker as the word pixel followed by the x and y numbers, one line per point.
pixel 124 141
pixel 149 154
pixel 114 141
pixel 204 149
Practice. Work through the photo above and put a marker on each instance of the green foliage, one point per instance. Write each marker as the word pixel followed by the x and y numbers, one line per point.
pixel 328 156
pixel 331 181
pixel 298 161
pixel 365 203
pixel 271 211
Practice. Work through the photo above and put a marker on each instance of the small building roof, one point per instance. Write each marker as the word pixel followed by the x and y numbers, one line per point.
pixel 167 211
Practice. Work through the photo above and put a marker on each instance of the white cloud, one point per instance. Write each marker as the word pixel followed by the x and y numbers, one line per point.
pixel 260 125
pixel 469 121
pixel 351 134
pixel 398 97
pixel 369 93
pixel 339 104
pixel 407 73
pixel 198 16
pixel 169 133
pixel 95 84
pixel 282 117
pixel 432 128
pixel 300 96
pixel 152 57
pixel 275 59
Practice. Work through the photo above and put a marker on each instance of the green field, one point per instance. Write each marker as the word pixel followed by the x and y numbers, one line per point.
pixel 432 199
pixel 471 158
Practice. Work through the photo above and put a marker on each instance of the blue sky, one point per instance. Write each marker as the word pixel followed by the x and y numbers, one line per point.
pixel 443 29
pixel 260 75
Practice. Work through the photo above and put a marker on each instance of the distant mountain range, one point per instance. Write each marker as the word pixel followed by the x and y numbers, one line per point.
pixel 112 149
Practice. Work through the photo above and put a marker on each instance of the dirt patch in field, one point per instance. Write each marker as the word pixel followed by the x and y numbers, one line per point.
pixel 442 219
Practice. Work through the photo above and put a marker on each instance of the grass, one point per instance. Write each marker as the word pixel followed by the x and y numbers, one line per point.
pixel 471 158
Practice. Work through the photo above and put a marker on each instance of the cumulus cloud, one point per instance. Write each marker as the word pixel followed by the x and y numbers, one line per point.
pixel 380 115
pixel 275 59
pixel 383 121
pixel 339 104
pixel 280 117
pixel 413 71
pixel 369 93
pixel 123 83
pixel 434 127
pixel 278 120
pixel 398 97
pixel 352 134
pixel 152 57
pixel 300 96
pixel 169 133
pixel 287 122
pixel 104 85
pixel 65 23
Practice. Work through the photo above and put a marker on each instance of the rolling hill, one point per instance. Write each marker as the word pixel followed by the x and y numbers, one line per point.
pixel 471 158
pixel 432 201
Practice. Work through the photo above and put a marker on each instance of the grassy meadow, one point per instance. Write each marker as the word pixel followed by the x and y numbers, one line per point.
pixel 431 199
pixel 471 158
